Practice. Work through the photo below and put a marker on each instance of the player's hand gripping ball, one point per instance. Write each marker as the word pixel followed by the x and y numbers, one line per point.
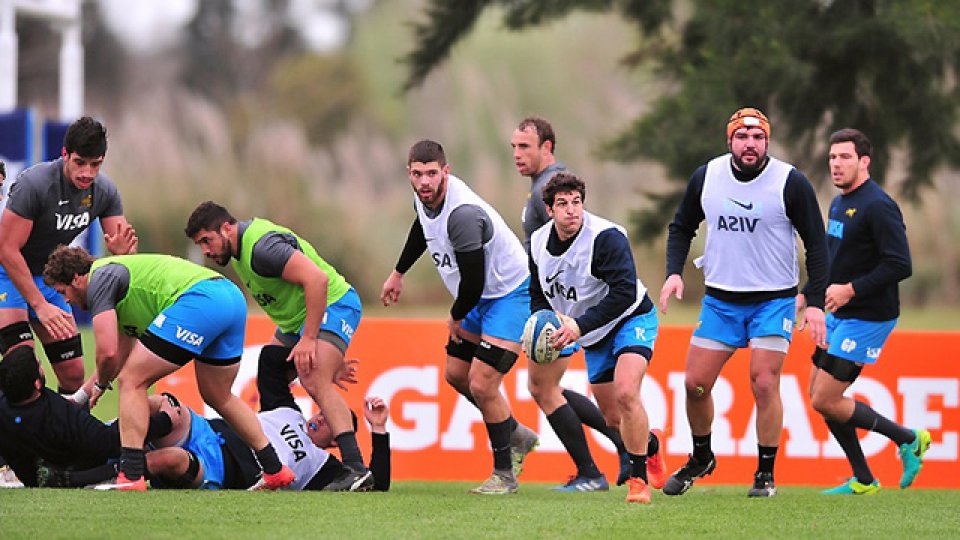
pixel 538 334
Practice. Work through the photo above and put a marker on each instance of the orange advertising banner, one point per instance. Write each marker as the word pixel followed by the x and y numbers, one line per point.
pixel 436 435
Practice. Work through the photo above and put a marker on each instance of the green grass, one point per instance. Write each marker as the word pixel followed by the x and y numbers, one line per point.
pixel 445 510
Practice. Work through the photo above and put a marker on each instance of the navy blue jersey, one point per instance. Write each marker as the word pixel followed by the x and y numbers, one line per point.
pixel 867 247
pixel 56 430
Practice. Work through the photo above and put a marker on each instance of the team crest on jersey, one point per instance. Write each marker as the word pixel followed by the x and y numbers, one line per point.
pixel 3 297
pixel 86 202
pixel 850 212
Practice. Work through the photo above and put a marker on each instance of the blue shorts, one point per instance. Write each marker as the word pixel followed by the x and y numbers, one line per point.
pixel 635 334
pixel 340 319
pixel 735 324
pixel 208 320
pixel 503 317
pixel 207 445
pixel 857 340
pixel 10 297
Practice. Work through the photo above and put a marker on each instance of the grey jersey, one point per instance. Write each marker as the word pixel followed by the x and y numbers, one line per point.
pixel 462 227
pixel 59 211
pixel 534 213
pixel 106 287
pixel 272 251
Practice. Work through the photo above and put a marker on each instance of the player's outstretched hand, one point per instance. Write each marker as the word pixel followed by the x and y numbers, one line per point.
pixel 123 241
pixel 376 412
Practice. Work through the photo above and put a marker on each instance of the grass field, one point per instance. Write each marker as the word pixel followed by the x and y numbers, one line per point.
pixel 445 510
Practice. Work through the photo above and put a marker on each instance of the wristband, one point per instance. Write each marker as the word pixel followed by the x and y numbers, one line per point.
pixel 80 397
pixel 103 387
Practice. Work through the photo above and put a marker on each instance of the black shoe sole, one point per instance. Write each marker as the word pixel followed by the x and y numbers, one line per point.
pixel 671 488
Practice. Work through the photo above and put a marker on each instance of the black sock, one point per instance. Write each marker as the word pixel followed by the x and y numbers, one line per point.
pixel 132 462
pixel 90 476
pixel 499 434
pixel 638 466
pixel 866 418
pixel 349 450
pixel 701 448
pixel 267 456
pixel 766 456
pixel 567 426
pixel 590 416
pixel 846 436
pixel 513 423
pixel 653 444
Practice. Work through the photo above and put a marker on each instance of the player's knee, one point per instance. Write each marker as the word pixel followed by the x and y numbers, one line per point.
pixel 627 397
pixel 611 416
pixel 13 335
pixel 458 380
pixel 822 403
pixel 541 389
pixel 765 386
pixel 131 380
pixel 481 388
pixel 70 375
pixel 697 388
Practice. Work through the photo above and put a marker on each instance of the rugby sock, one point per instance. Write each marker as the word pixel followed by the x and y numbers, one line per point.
pixel 267 456
pixel 349 451
pixel 567 426
pixel 866 418
pixel 766 456
pixel 846 436
pixel 638 466
pixel 87 477
pixel 132 462
pixel 499 433
pixel 590 416
pixel 701 448
pixel 653 444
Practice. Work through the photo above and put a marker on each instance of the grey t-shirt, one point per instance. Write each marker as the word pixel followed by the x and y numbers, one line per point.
pixel 59 210
pixel 468 226
pixel 534 213
pixel 106 287
pixel 272 251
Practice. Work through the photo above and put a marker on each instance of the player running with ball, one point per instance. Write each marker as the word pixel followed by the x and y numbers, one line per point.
pixel 582 267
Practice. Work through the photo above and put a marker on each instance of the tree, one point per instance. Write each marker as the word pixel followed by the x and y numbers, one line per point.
pixel 887 67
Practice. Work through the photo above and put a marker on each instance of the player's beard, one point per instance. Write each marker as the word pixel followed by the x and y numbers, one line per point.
pixel 438 195
pixel 223 257
pixel 750 169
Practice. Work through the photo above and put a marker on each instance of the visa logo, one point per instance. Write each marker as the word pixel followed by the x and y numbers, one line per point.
pixel 188 337
pixel 72 222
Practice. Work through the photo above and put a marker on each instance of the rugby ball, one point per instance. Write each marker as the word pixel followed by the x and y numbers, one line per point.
pixel 537 335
